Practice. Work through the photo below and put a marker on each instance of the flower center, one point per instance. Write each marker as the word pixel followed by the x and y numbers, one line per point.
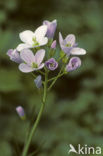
pixel 35 41
pixel 68 44
pixel 51 64
pixel 73 64
pixel 34 65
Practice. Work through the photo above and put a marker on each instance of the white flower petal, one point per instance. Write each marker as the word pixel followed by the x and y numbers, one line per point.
pixel 26 36
pixel 40 32
pixel 60 38
pixel 39 56
pixel 23 46
pixel 43 41
pixel 78 51
pixel 27 56
pixel 41 66
pixel 54 21
pixel 25 68
pixel 46 22
pixel 70 39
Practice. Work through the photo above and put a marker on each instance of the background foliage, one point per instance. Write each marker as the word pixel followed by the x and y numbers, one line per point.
pixel 74 109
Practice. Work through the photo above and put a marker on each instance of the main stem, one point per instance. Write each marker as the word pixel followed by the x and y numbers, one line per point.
pixel 26 147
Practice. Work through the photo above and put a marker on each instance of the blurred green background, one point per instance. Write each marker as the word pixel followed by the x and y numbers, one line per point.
pixel 74 109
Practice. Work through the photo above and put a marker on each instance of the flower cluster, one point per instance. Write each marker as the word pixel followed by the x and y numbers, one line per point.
pixel 32 54
pixel 38 54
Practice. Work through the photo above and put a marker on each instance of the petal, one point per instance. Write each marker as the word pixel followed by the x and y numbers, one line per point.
pixel 28 56
pixel 40 32
pixel 60 38
pixel 70 39
pixel 23 46
pixel 39 56
pixel 25 68
pixel 46 22
pixel 43 41
pixel 54 21
pixel 26 36
pixel 14 55
pixel 41 66
pixel 78 51
pixel 9 52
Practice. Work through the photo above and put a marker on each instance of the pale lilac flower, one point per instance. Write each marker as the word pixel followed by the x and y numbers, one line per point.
pixel 38 81
pixel 73 64
pixel 68 43
pixel 20 111
pixel 69 46
pixel 51 28
pixel 14 55
pixel 51 64
pixel 53 45
pixel 33 39
pixel 31 62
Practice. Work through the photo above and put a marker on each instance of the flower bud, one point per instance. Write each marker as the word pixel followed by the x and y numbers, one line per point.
pixel 51 64
pixel 73 64
pixel 51 28
pixel 53 45
pixel 14 55
pixel 20 112
pixel 38 81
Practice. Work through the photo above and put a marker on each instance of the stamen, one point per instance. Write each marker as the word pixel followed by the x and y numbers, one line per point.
pixel 34 65
pixel 52 65
pixel 35 41
pixel 68 45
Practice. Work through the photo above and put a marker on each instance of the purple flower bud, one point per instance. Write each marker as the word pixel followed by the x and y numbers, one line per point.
pixel 20 111
pixel 51 64
pixel 14 55
pixel 38 81
pixel 53 45
pixel 51 28
pixel 73 64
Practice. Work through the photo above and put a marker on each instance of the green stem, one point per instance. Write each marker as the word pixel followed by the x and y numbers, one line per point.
pixel 33 75
pixel 41 72
pixel 55 79
pixel 26 147
pixel 61 57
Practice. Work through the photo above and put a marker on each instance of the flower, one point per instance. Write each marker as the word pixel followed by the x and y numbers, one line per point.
pixel 68 43
pixel 20 111
pixel 38 81
pixel 33 39
pixel 51 64
pixel 73 64
pixel 53 45
pixel 14 55
pixel 31 62
pixel 69 46
pixel 51 28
